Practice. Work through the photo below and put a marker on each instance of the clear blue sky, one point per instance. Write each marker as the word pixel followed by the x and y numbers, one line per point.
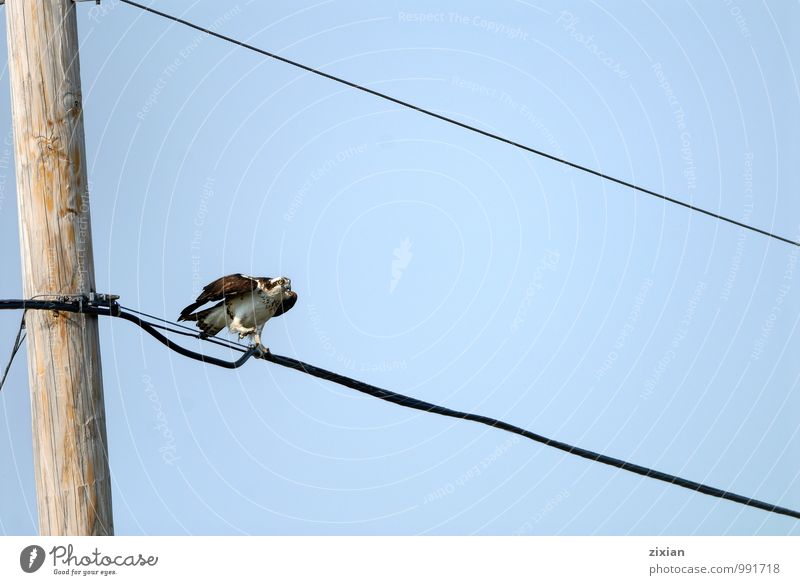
pixel 441 264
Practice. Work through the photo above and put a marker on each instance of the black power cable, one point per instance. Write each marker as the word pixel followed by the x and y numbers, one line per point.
pixel 113 310
pixel 460 124
pixel 416 404
pixel 187 331
pixel 14 349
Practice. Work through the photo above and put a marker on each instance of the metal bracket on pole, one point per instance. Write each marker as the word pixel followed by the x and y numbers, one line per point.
pixel 105 300
pixel 93 299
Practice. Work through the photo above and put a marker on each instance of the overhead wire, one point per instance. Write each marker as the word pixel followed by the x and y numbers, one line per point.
pixel 409 402
pixel 393 397
pixel 464 125
pixel 188 331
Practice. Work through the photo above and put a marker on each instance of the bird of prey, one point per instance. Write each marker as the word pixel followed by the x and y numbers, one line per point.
pixel 245 304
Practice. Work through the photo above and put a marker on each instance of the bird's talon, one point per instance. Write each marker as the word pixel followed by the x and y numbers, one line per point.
pixel 260 351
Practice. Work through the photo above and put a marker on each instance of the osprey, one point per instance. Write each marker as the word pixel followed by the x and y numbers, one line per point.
pixel 245 305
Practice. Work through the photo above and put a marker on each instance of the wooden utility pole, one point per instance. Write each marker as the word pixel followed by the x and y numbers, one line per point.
pixel 73 484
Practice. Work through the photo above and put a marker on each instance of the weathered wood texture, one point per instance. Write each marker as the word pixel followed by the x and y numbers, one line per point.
pixel 73 483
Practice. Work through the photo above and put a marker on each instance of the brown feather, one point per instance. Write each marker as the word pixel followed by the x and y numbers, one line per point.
pixel 207 329
pixel 224 287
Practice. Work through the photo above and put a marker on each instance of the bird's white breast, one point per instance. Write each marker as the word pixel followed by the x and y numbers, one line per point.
pixel 253 310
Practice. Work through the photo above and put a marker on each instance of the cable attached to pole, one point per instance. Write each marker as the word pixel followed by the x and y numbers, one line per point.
pixel 112 309
pixel 14 349
pixel 106 305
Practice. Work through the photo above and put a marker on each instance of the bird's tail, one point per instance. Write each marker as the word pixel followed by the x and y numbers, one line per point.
pixel 209 321
pixel 186 314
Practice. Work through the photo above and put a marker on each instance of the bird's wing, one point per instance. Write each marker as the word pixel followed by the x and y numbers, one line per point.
pixel 221 289
pixel 286 304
